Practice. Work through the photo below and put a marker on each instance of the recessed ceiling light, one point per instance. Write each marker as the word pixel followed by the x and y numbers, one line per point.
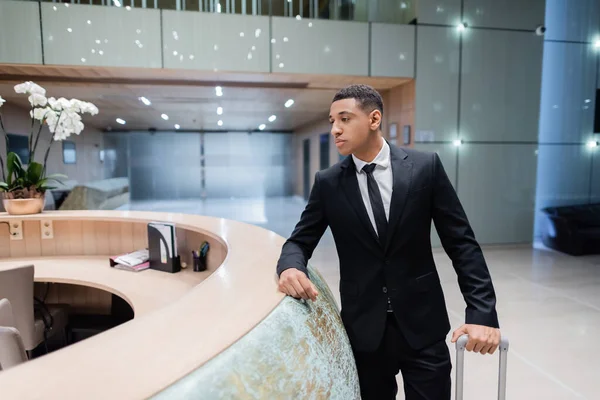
pixel 220 123
pixel 219 9
pixel 298 17
pixel 89 22
pixel 165 117
pixel 461 27
pixel 128 8
pixel 55 9
pixel 272 118
pixel 175 52
pixel 597 44
pixel 69 30
pixel 273 40
pixel 219 91
pixel 257 32
pixel 117 3
pixel 285 39
pixel 145 101
pixel 249 56
pixel 281 65
pixel 177 126
pixel 289 103
pixel 101 52
pixel 242 34
pixel 121 121
pixel 220 110
pixel 262 127
pixel 592 143
pixel 458 142
pixel 83 60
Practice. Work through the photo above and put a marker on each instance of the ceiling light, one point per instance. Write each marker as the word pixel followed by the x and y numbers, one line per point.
pixel 165 117
pixel 273 40
pixel 298 17
pixel 89 22
pixel 285 39
pixel 253 48
pixel 121 121
pixel 219 91
pixel 457 142
pixel 128 8
pixel 242 34
pixel 310 24
pixel 177 126
pixel 145 100
pixel 219 7
pixel 101 52
pixel 262 127
pixel 249 56
pixel 55 9
pixel 281 65
pixel 220 110
pixel 289 103
pixel 117 3
pixel 97 41
pixel 592 144
pixel 462 26
pixel 83 60
pixel 597 44
pixel 69 30
pixel 403 5
pixel 220 123
pixel 93 51
pixel 175 52
pixel 66 5
pixel 257 33
pixel 272 118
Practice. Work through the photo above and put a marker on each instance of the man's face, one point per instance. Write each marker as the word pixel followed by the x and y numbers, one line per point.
pixel 351 126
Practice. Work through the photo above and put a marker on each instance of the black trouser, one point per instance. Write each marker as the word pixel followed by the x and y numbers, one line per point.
pixel 425 372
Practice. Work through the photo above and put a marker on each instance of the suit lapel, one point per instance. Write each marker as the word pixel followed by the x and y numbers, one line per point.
pixel 402 170
pixel 352 192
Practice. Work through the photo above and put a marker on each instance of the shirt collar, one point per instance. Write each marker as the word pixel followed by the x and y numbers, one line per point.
pixel 382 159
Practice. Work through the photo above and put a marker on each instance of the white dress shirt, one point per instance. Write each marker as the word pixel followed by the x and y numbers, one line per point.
pixel 383 176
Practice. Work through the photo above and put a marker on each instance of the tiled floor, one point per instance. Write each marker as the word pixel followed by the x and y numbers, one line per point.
pixel 549 305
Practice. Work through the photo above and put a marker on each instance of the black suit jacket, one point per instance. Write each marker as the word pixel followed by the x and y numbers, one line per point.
pixel 404 268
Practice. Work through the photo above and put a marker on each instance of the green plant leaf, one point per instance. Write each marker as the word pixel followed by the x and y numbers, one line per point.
pixel 4 186
pixel 34 173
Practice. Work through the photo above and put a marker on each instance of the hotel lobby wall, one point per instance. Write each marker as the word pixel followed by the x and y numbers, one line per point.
pixel 88 166
pixel 76 34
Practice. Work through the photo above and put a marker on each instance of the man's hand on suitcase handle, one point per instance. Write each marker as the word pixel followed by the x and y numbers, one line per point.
pixel 482 339
pixel 295 283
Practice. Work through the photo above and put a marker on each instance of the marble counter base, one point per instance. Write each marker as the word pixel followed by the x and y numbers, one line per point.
pixel 300 351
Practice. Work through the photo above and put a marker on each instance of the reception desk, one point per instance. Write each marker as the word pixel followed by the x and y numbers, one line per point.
pixel 223 333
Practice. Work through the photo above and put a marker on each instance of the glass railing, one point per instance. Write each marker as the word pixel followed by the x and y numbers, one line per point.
pixel 387 11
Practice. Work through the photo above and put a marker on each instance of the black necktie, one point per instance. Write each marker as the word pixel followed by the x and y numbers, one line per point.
pixel 376 203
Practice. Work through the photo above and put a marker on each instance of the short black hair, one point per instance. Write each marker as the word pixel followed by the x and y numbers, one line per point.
pixel 367 97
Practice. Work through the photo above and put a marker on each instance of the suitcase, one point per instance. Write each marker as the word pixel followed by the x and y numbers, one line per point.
pixel 460 364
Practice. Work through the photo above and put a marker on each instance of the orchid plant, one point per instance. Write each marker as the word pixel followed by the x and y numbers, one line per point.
pixel 62 116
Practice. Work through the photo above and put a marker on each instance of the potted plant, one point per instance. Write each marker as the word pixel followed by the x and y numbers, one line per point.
pixel 23 187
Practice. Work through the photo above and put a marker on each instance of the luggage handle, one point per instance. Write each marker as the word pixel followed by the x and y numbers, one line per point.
pixel 461 344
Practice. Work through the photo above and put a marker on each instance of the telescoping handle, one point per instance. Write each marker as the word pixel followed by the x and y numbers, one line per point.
pixel 461 343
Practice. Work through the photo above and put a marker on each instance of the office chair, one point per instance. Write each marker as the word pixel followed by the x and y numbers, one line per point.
pixel 12 349
pixel 16 285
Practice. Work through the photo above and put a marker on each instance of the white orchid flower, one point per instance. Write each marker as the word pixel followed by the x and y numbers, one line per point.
pixel 30 88
pixel 38 100
pixel 41 113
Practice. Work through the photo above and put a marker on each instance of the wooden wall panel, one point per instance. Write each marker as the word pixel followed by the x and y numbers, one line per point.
pixel 73 238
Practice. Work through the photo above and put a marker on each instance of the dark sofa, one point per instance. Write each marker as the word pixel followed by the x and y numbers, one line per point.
pixel 573 230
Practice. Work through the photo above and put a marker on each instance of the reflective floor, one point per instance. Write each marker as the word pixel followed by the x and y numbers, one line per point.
pixel 548 303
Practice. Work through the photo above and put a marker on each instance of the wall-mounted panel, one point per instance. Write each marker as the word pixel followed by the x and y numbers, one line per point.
pixel 437 84
pixel 496 185
pixel 442 12
pixel 500 82
pixel 393 50
pixel 319 46
pixel 507 14
pixel 20 37
pixel 577 21
pixel 568 93
pixel 215 42
pixel 563 177
pixel 101 36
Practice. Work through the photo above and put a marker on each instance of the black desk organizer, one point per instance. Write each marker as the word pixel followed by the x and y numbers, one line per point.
pixel 172 264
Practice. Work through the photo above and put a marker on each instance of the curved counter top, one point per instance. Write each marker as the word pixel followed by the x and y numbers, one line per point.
pixel 219 318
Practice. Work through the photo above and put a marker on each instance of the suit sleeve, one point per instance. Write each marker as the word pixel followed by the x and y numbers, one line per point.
pixel 298 249
pixel 461 246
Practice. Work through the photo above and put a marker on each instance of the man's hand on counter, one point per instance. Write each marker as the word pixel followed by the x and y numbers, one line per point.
pixel 295 283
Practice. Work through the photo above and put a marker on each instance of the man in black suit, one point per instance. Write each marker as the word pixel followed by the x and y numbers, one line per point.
pixel 379 204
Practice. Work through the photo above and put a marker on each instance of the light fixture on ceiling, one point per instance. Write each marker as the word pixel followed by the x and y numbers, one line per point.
pixel 145 100
pixel 219 110
pixel 177 126
pixel 592 143
pixel 219 91
pixel 55 9
pixel 83 60
pixel 89 22
pixel 462 26
pixel 257 32
pixel 289 103
pixel 457 142
pixel 117 3
pixel 121 121
pixel 69 30
pixel 285 39
pixel 272 118
pixel 165 117
pixel 262 127
pixel 298 17
pixel 242 34
pixel 220 123
pixel 219 9
pixel 128 8
pixel 281 65
pixel 597 43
